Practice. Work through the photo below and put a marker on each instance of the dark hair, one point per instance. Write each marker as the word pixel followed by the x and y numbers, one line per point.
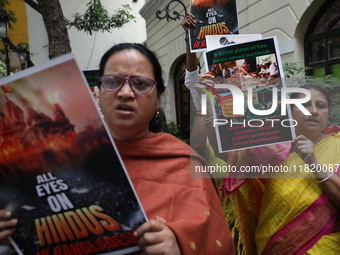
pixel 322 90
pixel 157 69
pixel 156 123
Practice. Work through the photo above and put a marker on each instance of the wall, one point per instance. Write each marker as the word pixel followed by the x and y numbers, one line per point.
pixel 18 34
pixel 280 19
pixel 166 39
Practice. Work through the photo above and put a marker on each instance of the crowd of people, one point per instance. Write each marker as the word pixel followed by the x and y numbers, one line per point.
pixel 274 215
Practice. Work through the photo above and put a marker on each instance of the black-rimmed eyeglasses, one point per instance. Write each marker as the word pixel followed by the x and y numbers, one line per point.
pixel 139 84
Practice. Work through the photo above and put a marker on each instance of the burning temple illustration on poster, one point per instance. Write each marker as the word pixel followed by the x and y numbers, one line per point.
pixel 60 173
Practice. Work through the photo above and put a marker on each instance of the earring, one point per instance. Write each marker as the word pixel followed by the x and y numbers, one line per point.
pixel 157 114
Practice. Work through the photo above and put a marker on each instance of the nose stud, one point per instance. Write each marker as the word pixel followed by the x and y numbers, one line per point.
pixel 132 94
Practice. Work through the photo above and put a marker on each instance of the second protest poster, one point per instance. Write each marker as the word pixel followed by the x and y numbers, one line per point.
pixel 246 97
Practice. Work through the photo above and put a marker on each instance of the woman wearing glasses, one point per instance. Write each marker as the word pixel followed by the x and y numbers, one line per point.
pixel 184 212
pixel 185 216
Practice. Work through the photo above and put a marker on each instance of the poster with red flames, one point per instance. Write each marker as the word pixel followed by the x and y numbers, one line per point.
pixel 213 17
pixel 60 172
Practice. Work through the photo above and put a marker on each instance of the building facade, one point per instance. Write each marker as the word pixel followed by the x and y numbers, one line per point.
pixel 308 33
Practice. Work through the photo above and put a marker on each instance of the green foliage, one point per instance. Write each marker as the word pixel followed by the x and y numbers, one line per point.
pixel 334 118
pixel 175 130
pixel 3 70
pixel 96 18
pixel 296 77
pixel 10 14
pixel 292 69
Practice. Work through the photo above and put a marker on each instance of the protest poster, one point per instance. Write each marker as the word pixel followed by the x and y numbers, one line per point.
pixel 91 77
pixel 60 172
pixel 247 99
pixel 212 18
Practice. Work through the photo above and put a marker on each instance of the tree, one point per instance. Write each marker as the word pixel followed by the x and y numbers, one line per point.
pixel 96 18
pixel 52 14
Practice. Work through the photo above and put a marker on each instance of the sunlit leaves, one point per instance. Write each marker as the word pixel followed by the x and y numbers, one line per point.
pixel 96 18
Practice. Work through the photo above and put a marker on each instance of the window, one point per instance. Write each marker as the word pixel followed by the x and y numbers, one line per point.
pixel 322 41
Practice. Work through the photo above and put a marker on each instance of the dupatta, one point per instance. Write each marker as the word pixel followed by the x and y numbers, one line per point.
pixel 250 198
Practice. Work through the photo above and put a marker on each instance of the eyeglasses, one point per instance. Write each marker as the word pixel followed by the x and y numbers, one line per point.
pixel 139 84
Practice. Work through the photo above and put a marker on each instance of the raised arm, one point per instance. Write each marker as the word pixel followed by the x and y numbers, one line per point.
pixel 191 59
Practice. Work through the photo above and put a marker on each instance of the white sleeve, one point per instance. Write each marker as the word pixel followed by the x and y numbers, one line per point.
pixel 191 78
pixel 190 81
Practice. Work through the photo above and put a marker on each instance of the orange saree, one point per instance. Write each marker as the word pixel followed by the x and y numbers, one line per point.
pixel 159 167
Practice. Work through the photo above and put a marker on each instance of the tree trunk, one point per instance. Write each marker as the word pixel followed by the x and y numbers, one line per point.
pixel 58 39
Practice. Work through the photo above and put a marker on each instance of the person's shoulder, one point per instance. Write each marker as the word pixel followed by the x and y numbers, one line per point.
pixel 333 130
pixel 170 138
pixel 337 136
pixel 177 146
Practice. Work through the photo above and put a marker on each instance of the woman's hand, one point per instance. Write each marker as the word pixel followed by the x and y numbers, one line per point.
pixel 188 22
pixel 206 75
pixel 305 148
pixel 6 226
pixel 157 238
